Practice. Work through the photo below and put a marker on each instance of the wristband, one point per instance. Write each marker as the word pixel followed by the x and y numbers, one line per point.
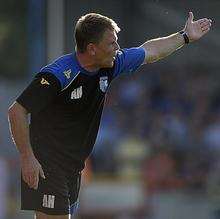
pixel 184 34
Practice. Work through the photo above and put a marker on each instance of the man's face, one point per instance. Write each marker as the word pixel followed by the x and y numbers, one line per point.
pixel 106 50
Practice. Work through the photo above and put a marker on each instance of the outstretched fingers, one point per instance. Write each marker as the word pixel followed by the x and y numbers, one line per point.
pixel 205 26
pixel 206 30
pixel 205 22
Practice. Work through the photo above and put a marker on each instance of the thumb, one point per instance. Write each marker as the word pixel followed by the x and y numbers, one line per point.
pixel 191 17
pixel 42 173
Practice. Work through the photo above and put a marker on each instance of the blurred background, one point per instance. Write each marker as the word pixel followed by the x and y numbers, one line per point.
pixel 158 147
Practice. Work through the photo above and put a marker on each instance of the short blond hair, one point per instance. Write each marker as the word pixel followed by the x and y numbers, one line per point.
pixel 90 29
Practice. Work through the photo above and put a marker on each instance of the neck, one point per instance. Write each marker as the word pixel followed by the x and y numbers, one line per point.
pixel 86 62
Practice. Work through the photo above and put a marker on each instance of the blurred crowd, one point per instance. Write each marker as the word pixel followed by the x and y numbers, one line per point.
pixel 163 128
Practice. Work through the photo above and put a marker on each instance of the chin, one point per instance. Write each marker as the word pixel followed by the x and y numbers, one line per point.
pixel 110 65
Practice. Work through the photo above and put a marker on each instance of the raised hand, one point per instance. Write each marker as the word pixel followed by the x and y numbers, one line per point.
pixel 196 29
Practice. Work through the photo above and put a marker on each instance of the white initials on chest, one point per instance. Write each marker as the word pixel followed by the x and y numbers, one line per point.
pixel 76 93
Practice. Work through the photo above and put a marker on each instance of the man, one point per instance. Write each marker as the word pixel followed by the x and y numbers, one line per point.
pixel 65 101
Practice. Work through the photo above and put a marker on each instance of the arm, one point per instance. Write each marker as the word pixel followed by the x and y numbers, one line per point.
pixel 159 48
pixel 19 128
pixel 18 120
pixel 41 91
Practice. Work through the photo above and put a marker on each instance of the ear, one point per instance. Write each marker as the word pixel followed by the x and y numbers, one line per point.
pixel 91 48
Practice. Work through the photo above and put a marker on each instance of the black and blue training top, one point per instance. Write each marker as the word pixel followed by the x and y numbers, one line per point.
pixel 65 103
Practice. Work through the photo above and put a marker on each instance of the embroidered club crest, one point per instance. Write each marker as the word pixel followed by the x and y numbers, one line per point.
pixel 103 83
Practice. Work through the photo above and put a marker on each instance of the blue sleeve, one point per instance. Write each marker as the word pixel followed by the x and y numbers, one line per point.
pixel 128 60
pixel 63 73
pixel 57 72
